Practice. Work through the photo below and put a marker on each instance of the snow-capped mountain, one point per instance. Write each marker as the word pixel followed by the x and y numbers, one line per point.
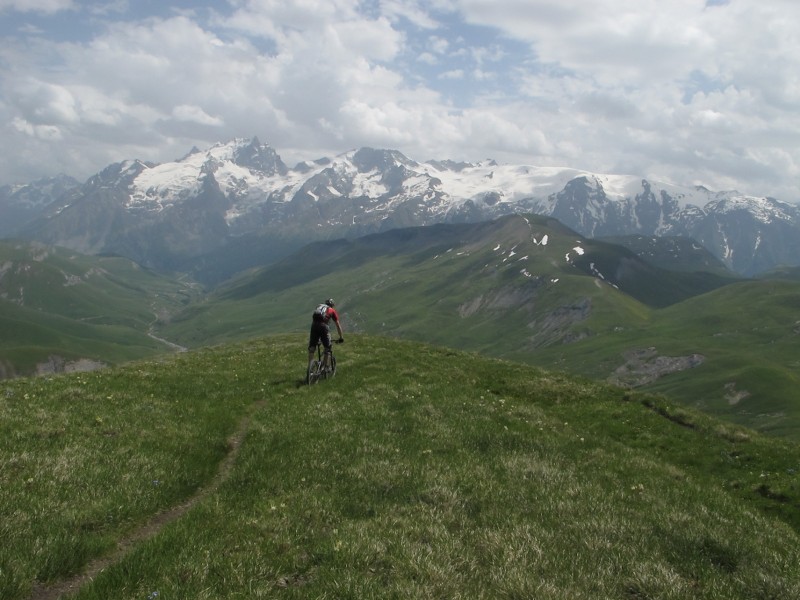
pixel 222 199
pixel 20 204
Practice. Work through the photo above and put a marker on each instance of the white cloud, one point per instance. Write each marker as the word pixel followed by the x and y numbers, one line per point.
pixel 454 74
pixel 615 39
pixel 415 11
pixel 619 73
pixel 195 114
pixel 46 103
pixel 438 45
pixel 427 57
pixel 686 91
pixel 47 133
pixel 40 6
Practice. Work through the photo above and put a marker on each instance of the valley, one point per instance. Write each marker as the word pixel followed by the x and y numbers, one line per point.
pixel 520 287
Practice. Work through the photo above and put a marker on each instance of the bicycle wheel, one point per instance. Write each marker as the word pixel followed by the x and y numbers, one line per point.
pixel 313 372
pixel 333 366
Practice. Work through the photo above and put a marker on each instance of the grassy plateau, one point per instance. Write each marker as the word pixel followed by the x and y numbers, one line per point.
pixel 417 472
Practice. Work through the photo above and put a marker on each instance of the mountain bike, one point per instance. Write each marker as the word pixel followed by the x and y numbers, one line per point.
pixel 317 370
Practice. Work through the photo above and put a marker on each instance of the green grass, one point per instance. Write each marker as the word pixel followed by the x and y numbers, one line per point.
pixel 54 302
pixel 417 472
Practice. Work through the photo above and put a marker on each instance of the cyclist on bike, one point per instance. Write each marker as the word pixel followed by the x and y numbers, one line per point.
pixel 320 331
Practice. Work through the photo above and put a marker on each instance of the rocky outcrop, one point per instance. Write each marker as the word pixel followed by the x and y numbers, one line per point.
pixel 57 364
pixel 643 366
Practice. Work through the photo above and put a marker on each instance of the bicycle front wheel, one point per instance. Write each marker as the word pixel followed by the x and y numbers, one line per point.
pixel 333 366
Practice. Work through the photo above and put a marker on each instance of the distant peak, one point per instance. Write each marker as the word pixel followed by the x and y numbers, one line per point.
pixel 368 159
pixel 192 152
pixel 449 165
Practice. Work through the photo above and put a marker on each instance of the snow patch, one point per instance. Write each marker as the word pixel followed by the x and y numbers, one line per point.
pixel 595 272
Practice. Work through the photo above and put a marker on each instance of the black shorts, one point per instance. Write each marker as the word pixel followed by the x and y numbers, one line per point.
pixel 319 332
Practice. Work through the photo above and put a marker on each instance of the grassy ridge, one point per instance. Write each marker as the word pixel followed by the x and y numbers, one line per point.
pixel 416 472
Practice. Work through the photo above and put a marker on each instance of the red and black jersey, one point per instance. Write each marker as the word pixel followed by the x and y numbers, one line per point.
pixel 325 313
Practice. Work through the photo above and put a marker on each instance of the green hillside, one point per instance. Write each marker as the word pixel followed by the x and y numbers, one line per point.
pixel 528 289
pixel 417 472
pixel 747 334
pixel 792 273
pixel 521 287
pixel 57 303
pixel 528 279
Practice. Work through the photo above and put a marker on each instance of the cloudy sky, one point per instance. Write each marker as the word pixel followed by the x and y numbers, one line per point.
pixel 683 91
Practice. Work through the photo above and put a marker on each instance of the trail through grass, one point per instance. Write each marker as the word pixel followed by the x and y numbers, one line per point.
pixel 417 472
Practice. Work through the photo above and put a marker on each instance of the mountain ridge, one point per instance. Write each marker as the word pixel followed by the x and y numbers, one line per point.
pixel 199 210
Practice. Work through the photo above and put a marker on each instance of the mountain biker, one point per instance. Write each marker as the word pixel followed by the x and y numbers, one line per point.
pixel 320 331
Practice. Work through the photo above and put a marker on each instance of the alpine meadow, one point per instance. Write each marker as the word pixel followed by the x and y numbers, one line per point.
pixel 417 472
pixel 399 300
pixel 518 412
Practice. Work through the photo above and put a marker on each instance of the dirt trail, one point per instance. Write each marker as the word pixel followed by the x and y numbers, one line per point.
pixel 152 527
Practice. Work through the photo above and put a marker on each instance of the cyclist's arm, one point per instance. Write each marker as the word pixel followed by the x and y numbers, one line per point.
pixel 339 329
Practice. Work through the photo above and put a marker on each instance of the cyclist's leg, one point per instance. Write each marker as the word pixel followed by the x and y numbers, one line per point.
pixel 326 343
pixel 313 341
